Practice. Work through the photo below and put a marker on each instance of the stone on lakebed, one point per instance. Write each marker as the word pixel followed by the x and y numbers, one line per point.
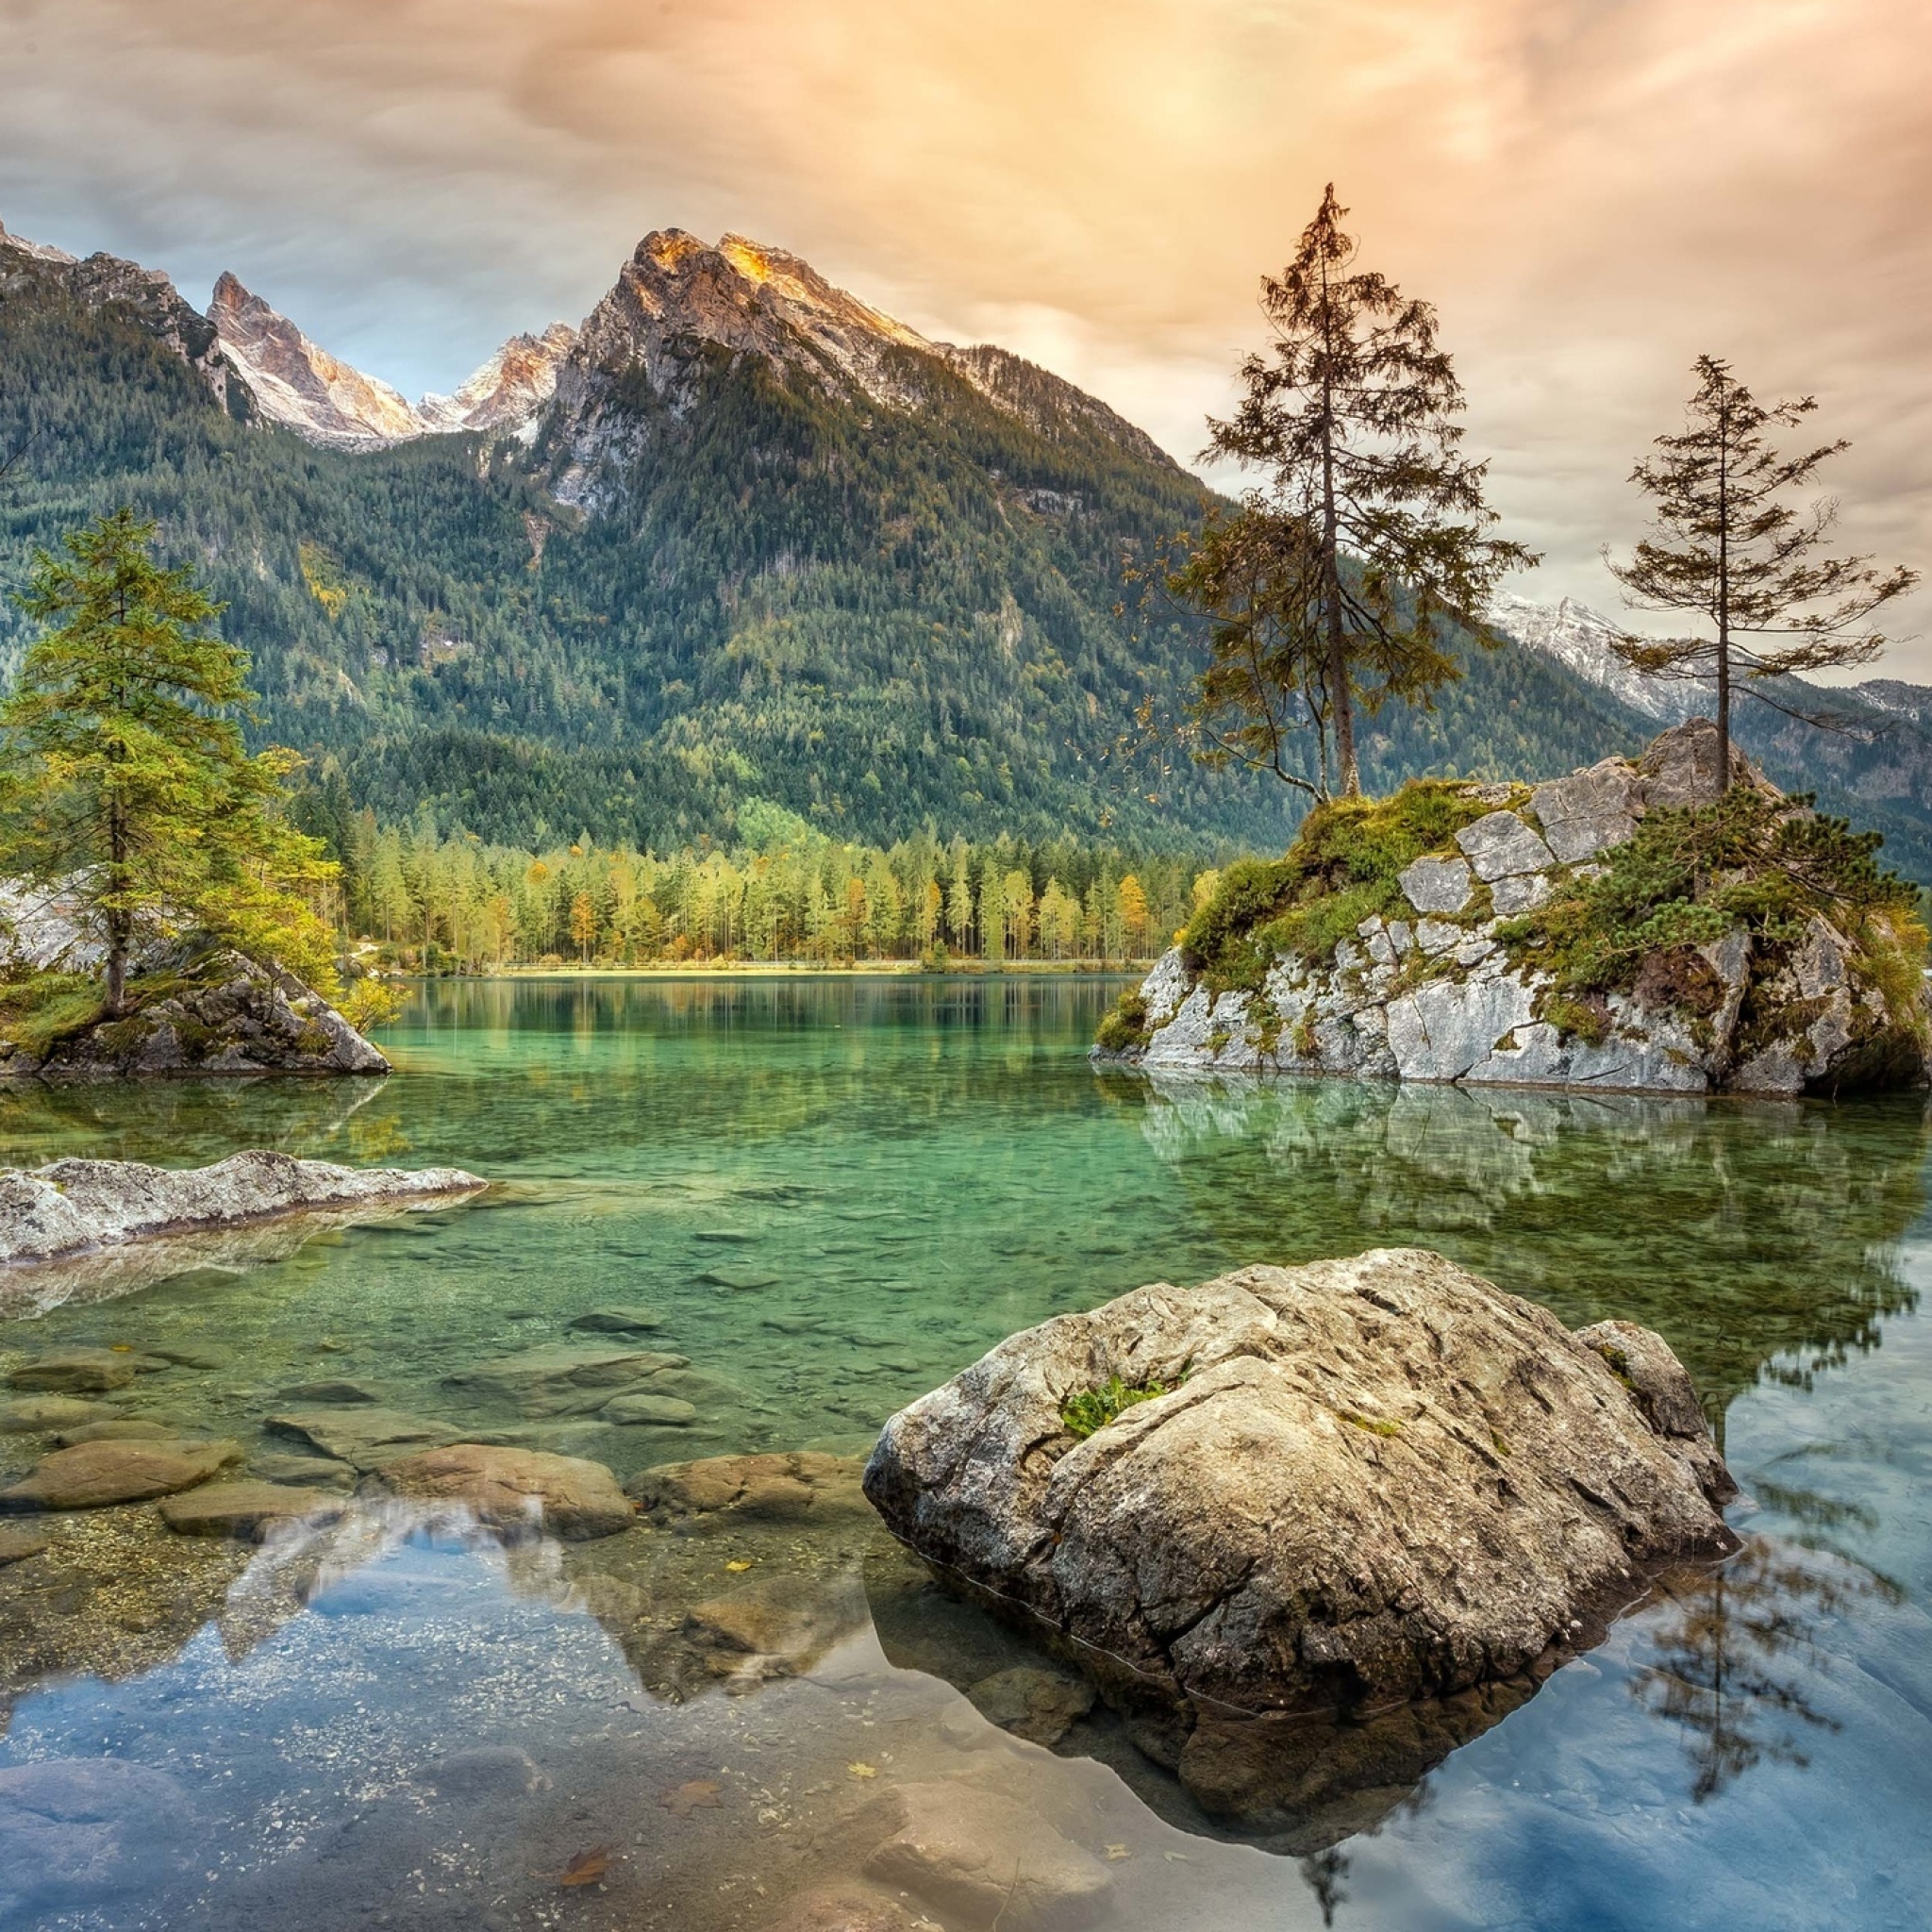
pixel 517 1490
pixel 246 1510
pixel 91 1475
pixel 1379 1480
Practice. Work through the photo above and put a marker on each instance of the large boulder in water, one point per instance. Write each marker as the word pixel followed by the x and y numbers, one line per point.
pixel 1373 1482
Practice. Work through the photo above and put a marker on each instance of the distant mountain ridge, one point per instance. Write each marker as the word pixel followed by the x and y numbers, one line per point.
pixel 739 536
pixel 1872 763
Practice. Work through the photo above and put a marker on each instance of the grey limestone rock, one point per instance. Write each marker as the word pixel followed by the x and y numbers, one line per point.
pixel 1378 1480
pixel 70 1206
pixel 1438 885
pixel 1590 811
pixel 1501 845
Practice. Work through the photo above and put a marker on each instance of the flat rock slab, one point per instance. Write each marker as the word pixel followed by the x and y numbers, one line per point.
pixel 624 1321
pixel 332 1390
pixel 771 1489
pixel 93 1474
pixel 988 1859
pixel 1381 1480
pixel 1501 844
pixel 77 1372
pixel 517 1490
pixel 659 1411
pixel 78 1832
pixel 742 1280
pixel 70 1206
pixel 132 1428
pixel 246 1510
pixel 305 1471
pixel 17 1543
pixel 567 1379
pixel 1438 885
pixel 366 1438
pixel 35 1415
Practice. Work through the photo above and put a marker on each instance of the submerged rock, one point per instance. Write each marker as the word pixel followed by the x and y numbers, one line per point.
pixel 624 1321
pixel 39 1415
pixel 517 1490
pixel 567 1379
pixel 70 1206
pixel 768 1489
pixel 366 1438
pixel 1372 1482
pixel 988 1859
pixel 94 1474
pixel 76 1371
pixel 77 1832
pixel 247 1511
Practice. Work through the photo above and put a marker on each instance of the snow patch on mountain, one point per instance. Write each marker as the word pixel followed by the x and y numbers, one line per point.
pixel 1580 639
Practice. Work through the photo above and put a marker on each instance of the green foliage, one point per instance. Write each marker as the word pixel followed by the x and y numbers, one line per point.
pixel 1343 867
pixel 125 771
pixel 1125 1027
pixel 1690 875
pixel 1089 1409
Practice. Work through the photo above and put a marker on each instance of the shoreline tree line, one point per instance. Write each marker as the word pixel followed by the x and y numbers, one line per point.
pixel 781 893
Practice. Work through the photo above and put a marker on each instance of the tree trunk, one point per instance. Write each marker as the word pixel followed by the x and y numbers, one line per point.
pixel 1724 599
pixel 119 923
pixel 1340 697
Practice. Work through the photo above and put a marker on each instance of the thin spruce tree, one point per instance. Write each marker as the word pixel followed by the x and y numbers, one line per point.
pixel 123 778
pixel 1727 548
pixel 1329 586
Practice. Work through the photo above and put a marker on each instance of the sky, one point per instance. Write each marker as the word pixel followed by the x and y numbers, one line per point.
pixel 1590 192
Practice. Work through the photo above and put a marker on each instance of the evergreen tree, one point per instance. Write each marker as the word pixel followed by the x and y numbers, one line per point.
pixel 1729 550
pixel 1371 528
pixel 125 777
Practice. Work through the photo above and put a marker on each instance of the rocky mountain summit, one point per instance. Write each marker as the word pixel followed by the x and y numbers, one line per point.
pixel 298 383
pixel 1617 928
pixel 1333 1490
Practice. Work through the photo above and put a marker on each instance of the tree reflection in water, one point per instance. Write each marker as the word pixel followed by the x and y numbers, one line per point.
pixel 1736 1648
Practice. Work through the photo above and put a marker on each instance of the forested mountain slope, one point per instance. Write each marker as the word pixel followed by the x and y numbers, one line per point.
pixel 762 542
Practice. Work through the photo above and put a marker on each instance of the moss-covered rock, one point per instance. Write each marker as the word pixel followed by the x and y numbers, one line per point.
pixel 215 1012
pixel 1625 928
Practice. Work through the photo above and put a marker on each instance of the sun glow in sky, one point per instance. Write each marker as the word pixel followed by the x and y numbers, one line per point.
pixel 1592 191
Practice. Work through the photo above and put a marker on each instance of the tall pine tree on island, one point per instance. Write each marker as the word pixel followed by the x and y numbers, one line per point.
pixel 1728 549
pixel 123 778
pixel 1328 586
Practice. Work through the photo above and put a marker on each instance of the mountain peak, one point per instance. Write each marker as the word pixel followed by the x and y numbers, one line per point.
pixel 299 383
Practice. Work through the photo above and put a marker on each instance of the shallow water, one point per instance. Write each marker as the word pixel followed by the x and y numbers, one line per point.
pixel 834 1194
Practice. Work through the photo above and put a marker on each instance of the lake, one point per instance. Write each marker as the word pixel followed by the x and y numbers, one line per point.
pixel 829 1195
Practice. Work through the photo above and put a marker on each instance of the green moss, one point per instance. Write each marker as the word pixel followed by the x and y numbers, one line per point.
pixel 1089 1409
pixel 1124 1029
pixel 1344 868
pixel 1375 1424
pixel 39 1012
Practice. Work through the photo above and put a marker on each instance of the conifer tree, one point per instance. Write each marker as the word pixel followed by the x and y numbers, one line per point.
pixel 1729 550
pixel 1372 527
pixel 125 777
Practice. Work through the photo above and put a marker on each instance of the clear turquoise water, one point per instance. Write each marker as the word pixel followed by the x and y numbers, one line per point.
pixel 910 1170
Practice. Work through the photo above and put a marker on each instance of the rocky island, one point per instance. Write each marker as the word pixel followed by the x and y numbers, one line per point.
pixel 1631 927
pixel 1344 1490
